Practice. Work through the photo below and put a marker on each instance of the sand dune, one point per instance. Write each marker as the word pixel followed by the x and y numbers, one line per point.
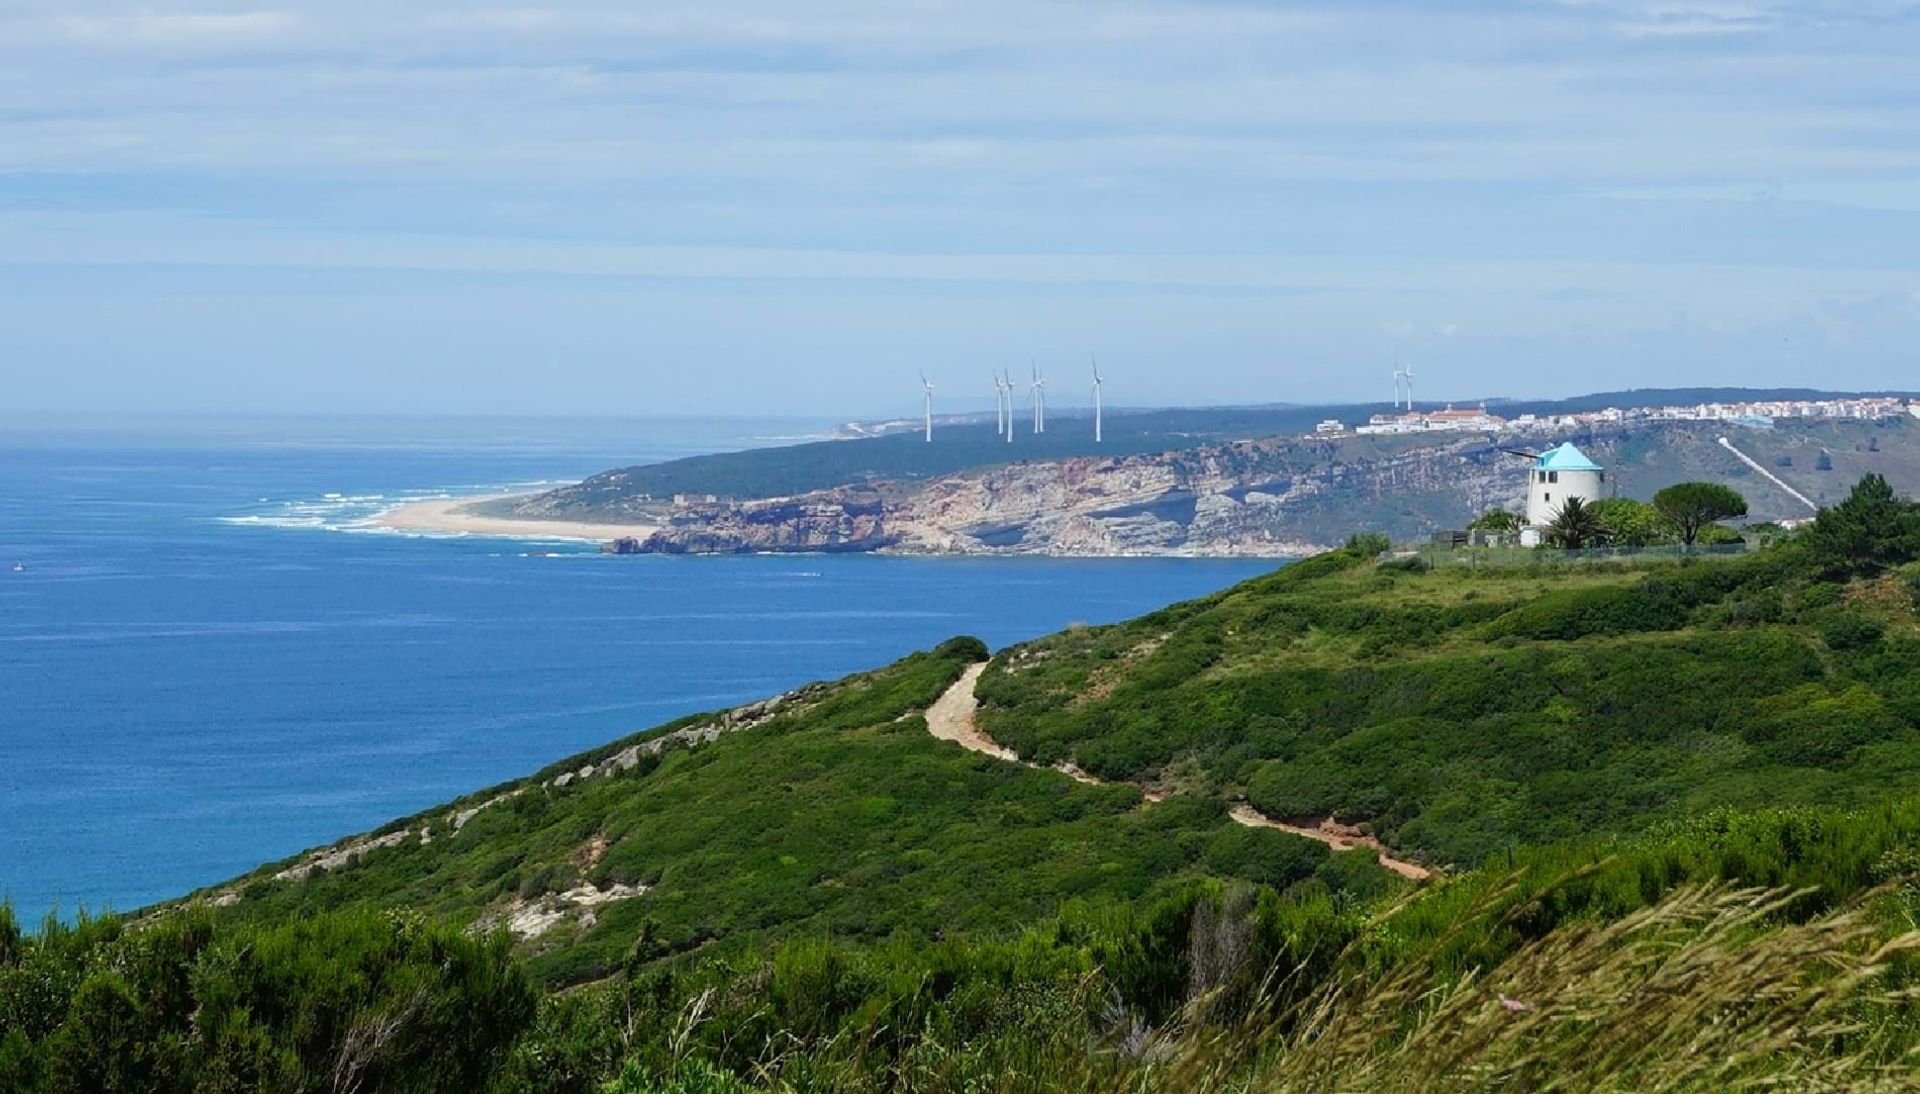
pixel 455 516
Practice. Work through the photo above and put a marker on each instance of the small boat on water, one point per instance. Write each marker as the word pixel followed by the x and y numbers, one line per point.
pixel 19 567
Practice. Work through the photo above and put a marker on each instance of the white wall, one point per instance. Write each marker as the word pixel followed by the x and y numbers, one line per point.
pixel 1544 498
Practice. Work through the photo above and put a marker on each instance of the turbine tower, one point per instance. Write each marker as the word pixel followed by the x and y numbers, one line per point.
pixel 929 404
pixel 1399 381
pixel 1005 385
pixel 999 407
pixel 1096 398
pixel 1408 375
pixel 1038 394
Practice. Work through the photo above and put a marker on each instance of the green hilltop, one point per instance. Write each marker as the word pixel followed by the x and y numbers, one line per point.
pixel 1668 806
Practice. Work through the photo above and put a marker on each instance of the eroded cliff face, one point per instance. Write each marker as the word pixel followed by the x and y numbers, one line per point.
pixel 1281 496
pixel 1252 498
pixel 836 520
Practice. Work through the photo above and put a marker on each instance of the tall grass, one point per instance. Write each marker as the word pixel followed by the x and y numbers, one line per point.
pixel 1709 989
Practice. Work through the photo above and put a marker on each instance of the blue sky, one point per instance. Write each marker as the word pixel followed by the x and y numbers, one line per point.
pixel 574 207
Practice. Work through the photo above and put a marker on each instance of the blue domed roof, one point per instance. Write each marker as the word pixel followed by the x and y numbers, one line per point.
pixel 1566 458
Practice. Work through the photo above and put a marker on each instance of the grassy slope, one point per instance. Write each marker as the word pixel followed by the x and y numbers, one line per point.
pixel 1459 713
pixel 844 817
pixel 1462 712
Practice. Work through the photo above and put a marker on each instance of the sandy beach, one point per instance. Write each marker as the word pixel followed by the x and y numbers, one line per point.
pixel 454 516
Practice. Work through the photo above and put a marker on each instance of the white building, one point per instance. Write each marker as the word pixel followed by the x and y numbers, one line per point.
pixel 1561 473
pixel 1435 421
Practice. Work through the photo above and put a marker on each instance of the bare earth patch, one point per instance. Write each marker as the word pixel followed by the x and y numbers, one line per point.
pixel 531 919
pixel 951 718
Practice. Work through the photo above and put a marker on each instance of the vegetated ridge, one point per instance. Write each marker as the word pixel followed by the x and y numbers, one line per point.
pixel 1669 806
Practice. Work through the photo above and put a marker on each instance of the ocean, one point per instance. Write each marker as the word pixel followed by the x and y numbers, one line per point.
pixel 204 666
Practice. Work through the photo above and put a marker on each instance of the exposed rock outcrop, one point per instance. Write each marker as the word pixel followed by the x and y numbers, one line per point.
pixel 1272 497
pixel 848 519
pixel 1247 498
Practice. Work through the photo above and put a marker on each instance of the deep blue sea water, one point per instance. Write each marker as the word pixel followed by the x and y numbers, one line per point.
pixel 197 675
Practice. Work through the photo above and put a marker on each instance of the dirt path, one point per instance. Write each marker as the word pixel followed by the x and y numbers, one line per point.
pixel 951 718
pixel 1338 836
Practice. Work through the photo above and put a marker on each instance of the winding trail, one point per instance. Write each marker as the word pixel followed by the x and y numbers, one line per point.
pixel 1340 837
pixel 952 718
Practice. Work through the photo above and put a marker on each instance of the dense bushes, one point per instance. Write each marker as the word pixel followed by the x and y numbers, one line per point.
pixel 1576 613
pixel 1459 712
pixel 1661 601
pixel 838 814
pixel 1195 985
pixel 351 1001
pixel 1205 986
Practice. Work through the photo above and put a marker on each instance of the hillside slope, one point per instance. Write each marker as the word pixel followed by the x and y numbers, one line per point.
pixel 1452 714
pixel 1275 496
pixel 830 810
pixel 816 892
pixel 1459 713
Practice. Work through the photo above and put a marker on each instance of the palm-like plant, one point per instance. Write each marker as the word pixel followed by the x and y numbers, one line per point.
pixel 1576 525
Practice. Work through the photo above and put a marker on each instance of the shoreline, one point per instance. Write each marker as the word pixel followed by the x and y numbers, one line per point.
pixel 453 517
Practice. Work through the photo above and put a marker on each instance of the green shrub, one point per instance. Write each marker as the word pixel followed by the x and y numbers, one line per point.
pixel 1849 630
pixel 963 648
pixel 344 1000
pixel 1577 613
pixel 1369 543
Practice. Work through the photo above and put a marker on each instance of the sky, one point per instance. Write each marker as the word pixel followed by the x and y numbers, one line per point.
pixel 794 206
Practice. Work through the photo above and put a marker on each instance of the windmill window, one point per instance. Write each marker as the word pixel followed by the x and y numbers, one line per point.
pixel 1553 476
pixel 1546 497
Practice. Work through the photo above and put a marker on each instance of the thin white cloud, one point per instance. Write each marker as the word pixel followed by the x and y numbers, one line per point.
pixel 1518 166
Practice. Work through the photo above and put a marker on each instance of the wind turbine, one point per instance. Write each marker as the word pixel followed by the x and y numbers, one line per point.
pixel 1005 384
pixel 929 387
pixel 1399 381
pixel 1408 376
pixel 1038 394
pixel 1096 398
pixel 999 407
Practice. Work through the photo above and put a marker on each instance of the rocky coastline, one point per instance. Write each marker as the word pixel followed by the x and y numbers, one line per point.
pixel 1276 497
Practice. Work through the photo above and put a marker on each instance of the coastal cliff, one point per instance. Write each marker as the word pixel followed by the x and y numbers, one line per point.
pixel 1269 497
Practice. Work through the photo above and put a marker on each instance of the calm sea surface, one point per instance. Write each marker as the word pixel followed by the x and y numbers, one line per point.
pixel 200 670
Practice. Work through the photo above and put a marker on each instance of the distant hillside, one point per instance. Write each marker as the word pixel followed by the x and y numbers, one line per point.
pixel 906 457
pixel 1281 495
